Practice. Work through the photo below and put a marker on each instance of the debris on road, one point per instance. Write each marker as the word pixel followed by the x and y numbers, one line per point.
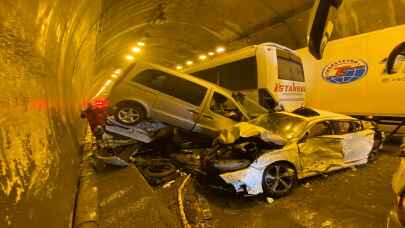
pixel 327 223
pixel 270 200
pixel 168 184
pixel 112 160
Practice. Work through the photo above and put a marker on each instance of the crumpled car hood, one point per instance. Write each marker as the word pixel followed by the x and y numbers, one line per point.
pixel 246 130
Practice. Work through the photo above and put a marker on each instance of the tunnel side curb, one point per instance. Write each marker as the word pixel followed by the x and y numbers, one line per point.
pixel 86 211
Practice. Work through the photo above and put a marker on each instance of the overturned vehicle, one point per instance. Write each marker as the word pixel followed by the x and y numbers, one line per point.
pixel 270 153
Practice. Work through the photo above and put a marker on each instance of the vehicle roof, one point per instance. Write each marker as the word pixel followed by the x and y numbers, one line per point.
pixel 181 74
pixel 233 56
pixel 323 115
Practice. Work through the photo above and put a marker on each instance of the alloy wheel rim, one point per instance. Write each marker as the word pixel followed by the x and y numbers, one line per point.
pixel 128 115
pixel 279 179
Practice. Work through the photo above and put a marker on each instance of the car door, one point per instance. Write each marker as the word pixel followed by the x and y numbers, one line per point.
pixel 143 86
pixel 357 142
pixel 221 112
pixel 179 102
pixel 320 149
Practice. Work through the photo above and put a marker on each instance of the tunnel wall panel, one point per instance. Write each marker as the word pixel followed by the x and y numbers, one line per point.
pixel 47 50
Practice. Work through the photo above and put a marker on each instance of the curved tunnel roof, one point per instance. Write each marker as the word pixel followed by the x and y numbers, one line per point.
pixel 176 31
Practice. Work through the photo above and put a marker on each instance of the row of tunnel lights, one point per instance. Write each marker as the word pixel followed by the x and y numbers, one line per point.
pixel 202 57
pixel 138 48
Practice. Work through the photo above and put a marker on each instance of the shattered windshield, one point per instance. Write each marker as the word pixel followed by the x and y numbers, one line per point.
pixel 284 125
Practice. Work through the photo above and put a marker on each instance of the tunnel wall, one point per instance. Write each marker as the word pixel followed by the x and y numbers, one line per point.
pixel 47 50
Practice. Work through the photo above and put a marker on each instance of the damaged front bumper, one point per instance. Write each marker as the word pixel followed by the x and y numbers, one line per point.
pixel 246 181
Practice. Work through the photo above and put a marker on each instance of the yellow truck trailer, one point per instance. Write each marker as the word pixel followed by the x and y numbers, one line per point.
pixel 352 77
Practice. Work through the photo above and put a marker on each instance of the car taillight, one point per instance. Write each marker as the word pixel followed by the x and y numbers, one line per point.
pixel 100 103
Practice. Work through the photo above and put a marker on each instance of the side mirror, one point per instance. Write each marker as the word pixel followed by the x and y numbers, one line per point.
pixel 321 26
pixel 397 52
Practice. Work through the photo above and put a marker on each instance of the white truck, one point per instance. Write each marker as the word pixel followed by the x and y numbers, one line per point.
pixel 362 75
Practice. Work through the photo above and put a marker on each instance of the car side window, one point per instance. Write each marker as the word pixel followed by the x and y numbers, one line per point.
pixel 225 107
pixel 151 78
pixel 172 85
pixel 185 90
pixel 319 129
pixel 346 127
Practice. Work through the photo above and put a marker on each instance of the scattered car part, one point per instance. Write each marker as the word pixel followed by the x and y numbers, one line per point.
pixel 230 165
pixel 159 169
pixel 112 160
pixel 113 141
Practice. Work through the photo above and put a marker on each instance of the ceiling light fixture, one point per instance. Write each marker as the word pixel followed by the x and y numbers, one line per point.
pixel 220 50
pixel 129 57
pixel 140 44
pixel 189 62
pixel 202 57
pixel 136 49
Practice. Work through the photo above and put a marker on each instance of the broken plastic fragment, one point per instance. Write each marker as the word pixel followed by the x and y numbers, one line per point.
pixel 269 200
pixel 168 184
pixel 113 160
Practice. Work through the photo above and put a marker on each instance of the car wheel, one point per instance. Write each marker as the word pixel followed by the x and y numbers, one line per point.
pixel 372 156
pixel 159 169
pixel 129 113
pixel 278 179
pixel 378 140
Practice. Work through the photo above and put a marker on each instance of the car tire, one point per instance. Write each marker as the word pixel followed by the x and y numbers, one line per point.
pixel 378 140
pixel 372 156
pixel 278 179
pixel 159 169
pixel 129 113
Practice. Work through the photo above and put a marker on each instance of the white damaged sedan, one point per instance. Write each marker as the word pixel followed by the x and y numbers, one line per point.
pixel 268 154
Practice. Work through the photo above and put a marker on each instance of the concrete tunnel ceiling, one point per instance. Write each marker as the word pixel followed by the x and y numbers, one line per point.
pixel 180 30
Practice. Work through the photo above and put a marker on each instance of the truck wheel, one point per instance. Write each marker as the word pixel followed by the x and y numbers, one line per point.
pixel 129 113
pixel 278 179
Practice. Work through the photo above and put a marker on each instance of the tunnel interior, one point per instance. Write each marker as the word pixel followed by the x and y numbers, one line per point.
pixel 55 55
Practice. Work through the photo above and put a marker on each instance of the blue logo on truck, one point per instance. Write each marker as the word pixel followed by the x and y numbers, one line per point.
pixel 345 71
